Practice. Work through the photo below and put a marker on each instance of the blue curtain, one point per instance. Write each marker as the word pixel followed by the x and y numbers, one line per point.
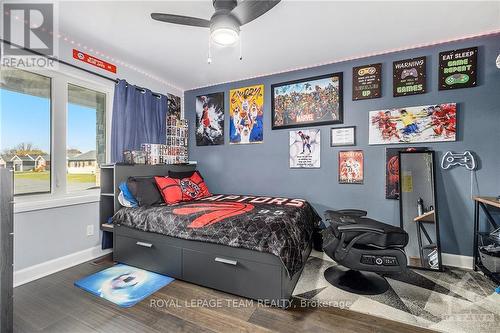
pixel 138 117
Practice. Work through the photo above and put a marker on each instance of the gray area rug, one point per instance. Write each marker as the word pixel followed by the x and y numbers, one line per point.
pixel 455 300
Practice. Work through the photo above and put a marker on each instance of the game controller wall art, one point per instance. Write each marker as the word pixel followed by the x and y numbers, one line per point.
pixel 428 123
pixel 409 77
pixel 367 82
pixel 458 69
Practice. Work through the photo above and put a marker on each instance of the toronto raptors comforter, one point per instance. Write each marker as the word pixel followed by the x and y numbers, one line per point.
pixel 279 226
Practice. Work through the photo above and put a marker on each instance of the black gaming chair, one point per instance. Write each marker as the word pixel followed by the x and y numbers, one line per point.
pixel 364 247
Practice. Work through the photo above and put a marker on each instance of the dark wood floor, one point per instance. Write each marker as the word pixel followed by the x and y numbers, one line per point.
pixel 53 304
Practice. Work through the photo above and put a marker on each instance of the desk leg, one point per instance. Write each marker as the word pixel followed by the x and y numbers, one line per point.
pixel 476 234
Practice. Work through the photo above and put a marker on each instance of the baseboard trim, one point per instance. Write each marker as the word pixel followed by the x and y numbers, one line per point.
pixel 38 271
pixel 453 260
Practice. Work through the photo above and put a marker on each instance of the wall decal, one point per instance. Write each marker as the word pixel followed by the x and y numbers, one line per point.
pixel 367 82
pixel 246 112
pixel 429 123
pixel 409 77
pixel 458 69
pixel 351 165
pixel 307 102
pixel 210 119
pixel 305 148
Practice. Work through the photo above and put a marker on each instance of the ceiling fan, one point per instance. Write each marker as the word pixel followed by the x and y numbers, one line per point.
pixel 225 23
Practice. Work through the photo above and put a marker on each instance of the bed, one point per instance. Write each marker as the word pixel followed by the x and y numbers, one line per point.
pixel 250 246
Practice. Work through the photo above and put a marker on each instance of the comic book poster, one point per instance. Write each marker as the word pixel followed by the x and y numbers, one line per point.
pixel 429 123
pixel 351 166
pixel 305 148
pixel 307 102
pixel 392 170
pixel 210 119
pixel 174 106
pixel 246 112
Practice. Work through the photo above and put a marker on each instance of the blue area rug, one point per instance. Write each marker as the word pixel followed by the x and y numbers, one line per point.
pixel 123 285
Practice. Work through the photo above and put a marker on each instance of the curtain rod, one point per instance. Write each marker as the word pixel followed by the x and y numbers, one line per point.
pixel 71 65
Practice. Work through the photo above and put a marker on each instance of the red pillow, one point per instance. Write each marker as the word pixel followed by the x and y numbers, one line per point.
pixel 186 189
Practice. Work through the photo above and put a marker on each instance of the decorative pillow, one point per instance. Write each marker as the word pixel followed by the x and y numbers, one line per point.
pixel 144 190
pixel 180 174
pixel 127 195
pixel 186 189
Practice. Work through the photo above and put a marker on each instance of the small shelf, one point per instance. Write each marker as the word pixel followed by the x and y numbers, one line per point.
pixel 489 201
pixel 107 227
pixel 426 217
pixel 108 194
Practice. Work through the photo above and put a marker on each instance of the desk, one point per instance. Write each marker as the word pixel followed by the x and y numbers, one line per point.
pixel 481 238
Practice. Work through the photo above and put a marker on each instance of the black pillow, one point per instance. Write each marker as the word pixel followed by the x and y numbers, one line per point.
pixel 144 190
pixel 181 174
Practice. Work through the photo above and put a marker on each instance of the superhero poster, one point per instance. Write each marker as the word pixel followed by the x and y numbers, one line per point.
pixel 392 170
pixel 351 167
pixel 210 119
pixel 429 123
pixel 305 149
pixel 246 112
pixel 307 102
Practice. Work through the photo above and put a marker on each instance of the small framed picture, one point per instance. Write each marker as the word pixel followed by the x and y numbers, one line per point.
pixel 351 167
pixel 343 136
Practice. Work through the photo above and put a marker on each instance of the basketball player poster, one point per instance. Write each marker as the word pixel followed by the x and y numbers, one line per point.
pixel 210 119
pixel 351 167
pixel 246 112
pixel 305 148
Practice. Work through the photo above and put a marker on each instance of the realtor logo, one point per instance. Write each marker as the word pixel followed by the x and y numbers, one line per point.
pixel 29 35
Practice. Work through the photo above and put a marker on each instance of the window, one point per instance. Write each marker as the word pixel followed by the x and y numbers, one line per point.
pixel 86 137
pixel 53 131
pixel 25 129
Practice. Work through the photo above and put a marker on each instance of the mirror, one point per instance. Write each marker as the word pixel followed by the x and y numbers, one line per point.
pixel 418 209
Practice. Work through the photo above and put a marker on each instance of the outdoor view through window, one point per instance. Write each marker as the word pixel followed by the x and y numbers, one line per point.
pixel 25 133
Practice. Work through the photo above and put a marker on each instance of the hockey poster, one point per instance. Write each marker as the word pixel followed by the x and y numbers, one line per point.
pixel 210 119
pixel 429 123
pixel 246 112
pixel 458 69
pixel 409 77
pixel 305 148
pixel 366 82
pixel 351 167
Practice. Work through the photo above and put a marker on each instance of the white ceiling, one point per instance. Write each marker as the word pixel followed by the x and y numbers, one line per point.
pixel 293 34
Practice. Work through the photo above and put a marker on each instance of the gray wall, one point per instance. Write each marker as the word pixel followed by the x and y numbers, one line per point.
pixel 263 168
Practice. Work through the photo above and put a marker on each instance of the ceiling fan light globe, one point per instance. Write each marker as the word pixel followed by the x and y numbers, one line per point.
pixel 224 36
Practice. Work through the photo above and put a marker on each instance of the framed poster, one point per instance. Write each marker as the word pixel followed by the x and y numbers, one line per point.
pixel 409 77
pixel 428 123
pixel 343 136
pixel 246 113
pixel 367 82
pixel 392 170
pixel 458 69
pixel 210 119
pixel 307 102
pixel 305 148
pixel 351 166
pixel 174 105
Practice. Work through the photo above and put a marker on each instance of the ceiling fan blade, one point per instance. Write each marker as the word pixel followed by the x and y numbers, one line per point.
pixel 179 19
pixel 249 10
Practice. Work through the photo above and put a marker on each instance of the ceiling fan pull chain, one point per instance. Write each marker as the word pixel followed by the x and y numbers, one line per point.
pixel 209 60
pixel 241 45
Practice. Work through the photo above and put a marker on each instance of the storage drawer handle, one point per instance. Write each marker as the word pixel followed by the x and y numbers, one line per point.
pixel 226 261
pixel 144 244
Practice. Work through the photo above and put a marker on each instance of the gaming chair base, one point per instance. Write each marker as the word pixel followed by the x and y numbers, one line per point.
pixel 357 282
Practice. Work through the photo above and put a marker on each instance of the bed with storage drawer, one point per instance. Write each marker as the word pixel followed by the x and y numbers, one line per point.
pixel 249 246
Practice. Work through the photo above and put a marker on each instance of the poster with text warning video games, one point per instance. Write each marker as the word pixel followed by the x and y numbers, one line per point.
pixel 246 114
pixel 409 77
pixel 305 148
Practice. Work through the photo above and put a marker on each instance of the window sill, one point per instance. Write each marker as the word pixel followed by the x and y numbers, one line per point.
pixel 39 202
